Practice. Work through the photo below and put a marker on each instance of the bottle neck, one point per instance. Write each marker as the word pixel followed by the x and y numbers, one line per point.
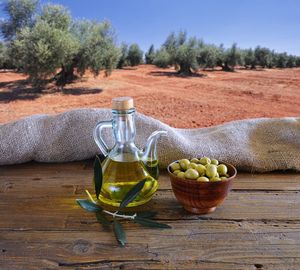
pixel 124 126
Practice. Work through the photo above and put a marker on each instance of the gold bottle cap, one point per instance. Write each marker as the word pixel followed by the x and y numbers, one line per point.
pixel 122 103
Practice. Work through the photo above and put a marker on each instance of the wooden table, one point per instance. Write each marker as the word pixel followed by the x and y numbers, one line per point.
pixel 258 226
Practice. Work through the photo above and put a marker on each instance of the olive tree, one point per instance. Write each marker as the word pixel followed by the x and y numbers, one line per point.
pixel 208 56
pixel 263 56
pixel 123 60
pixel 172 43
pixel 55 47
pixel 5 59
pixel 41 50
pixel 97 48
pixel 232 57
pixel 297 61
pixel 282 59
pixel 162 58
pixel 149 55
pixel 291 61
pixel 186 57
pixel 272 59
pixel 135 55
pixel 57 16
pixel 249 58
pixel 181 52
pixel 20 14
pixel 2 55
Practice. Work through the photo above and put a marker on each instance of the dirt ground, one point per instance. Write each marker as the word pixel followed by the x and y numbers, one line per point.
pixel 209 98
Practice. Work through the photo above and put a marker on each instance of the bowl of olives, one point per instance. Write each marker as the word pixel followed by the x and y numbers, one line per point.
pixel 201 184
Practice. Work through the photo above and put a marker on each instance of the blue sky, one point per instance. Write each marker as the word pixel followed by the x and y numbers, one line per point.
pixel 271 23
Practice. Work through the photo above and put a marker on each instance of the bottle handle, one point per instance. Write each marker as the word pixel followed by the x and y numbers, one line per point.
pixel 98 138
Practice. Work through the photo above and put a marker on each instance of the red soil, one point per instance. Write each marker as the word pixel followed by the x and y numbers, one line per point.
pixel 197 101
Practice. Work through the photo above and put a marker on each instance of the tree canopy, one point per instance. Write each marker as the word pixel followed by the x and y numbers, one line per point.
pixel 20 13
pixel 135 55
pixel 49 44
pixel 189 54
pixel 149 55
pixel 45 42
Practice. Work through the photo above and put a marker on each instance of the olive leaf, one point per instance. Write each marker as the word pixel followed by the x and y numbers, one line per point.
pixel 103 220
pixel 119 232
pixel 97 176
pixel 143 218
pixel 150 223
pixel 89 206
pixel 132 193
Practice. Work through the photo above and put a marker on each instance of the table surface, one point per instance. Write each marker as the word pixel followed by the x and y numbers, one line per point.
pixel 257 227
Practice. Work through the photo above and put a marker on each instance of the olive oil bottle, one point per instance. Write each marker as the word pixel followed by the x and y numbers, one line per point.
pixel 120 177
pixel 125 165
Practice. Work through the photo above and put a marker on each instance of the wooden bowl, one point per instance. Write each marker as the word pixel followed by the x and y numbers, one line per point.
pixel 201 197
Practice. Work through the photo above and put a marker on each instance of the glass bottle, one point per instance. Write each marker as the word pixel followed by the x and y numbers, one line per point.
pixel 125 165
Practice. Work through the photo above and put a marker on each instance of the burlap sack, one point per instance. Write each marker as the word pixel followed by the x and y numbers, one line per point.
pixel 255 145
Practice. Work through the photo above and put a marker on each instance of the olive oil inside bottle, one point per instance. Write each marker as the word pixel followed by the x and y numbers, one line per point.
pixel 152 167
pixel 120 177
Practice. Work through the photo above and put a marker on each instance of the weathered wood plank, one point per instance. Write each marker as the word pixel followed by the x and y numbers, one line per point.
pixel 50 211
pixel 240 245
pixel 79 174
pixel 267 181
pixel 41 227
pixel 67 183
pixel 39 263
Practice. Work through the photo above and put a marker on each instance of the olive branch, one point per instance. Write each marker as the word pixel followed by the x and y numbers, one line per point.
pixel 143 218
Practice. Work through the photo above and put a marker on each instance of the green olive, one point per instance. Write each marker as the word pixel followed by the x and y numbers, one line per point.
pixel 195 160
pixel 205 160
pixel 192 165
pixel 214 161
pixel 177 172
pixel 222 169
pixel 184 164
pixel 211 170
pixel 215 179
pixel 191 174
pixel 202 179
pixel 175 166
pixel 224 178
pixel 181 175
pixel 201 169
